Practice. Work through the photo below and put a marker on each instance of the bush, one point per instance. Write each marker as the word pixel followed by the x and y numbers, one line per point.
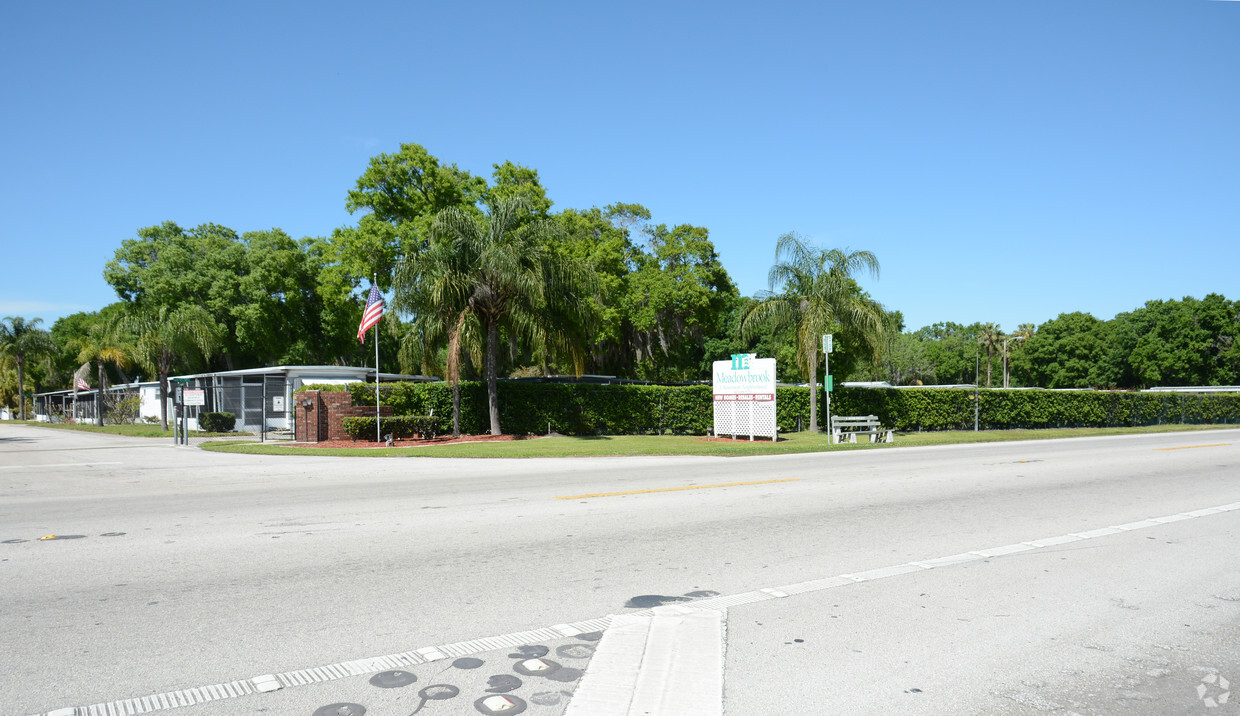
pixel 398 426
pixel 217 422
pixel 591 409
pixel 122 410
pixel 330 387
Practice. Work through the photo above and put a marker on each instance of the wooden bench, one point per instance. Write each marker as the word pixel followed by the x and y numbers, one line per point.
pixel 846 428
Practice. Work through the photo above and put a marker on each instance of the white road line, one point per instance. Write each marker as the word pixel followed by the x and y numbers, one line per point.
pixel 59 464
pixel 690 639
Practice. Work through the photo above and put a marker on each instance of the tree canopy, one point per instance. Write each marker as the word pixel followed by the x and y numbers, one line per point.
pixel 479 271
pixel 813 291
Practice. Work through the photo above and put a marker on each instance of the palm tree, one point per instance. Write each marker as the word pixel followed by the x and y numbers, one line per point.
pixel 21 339
pixel 167 336
pixel 494 268
pixel 817 292
pixel 1022 333
pixel 990 336
pixel 8 380
pixel 434 285
pixel 103 343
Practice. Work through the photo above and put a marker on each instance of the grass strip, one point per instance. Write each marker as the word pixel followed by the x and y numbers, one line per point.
pixel 664 445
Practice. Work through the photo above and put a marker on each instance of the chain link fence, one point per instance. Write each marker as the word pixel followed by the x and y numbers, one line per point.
pixel 258 407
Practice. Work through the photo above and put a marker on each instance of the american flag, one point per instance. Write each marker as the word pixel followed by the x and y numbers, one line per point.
pixel 81 384
pixel 372 314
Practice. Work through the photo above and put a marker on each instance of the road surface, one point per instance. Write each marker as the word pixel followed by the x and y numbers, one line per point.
pixel 976 578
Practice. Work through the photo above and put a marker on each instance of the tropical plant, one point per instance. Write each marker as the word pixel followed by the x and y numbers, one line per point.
pixel 1023 332
pixel 166 336
pixel 817 293
pixel 498 271
pixel 21 340
pixel 991 337
pixel 103 343
pixel 434 285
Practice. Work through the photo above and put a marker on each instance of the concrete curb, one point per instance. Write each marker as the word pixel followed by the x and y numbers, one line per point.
pixel 667 664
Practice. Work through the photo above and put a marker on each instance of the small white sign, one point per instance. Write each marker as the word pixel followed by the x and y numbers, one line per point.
pixel 827 342
pixel 195 396
pixel 277 403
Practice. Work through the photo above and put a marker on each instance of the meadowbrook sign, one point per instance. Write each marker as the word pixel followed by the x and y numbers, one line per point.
pixel 744 392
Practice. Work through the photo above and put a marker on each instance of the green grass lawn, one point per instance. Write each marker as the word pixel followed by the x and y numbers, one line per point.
pixel 629 445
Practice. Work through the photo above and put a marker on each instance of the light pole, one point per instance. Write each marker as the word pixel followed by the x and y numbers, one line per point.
pixel 1005 356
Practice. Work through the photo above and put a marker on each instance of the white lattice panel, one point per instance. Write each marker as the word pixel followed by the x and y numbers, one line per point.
pixel 742 417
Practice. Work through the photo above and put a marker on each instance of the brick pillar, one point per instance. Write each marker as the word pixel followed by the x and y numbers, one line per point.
pixel 309 418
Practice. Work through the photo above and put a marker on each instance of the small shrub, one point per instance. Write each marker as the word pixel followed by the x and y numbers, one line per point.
pixel 122 410
pixel 398 426
pixel 217 422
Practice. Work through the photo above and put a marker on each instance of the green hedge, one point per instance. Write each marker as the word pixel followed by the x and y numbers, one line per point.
pixel 589 409
pixel 333 387
pixel 400 426
pixel 217 422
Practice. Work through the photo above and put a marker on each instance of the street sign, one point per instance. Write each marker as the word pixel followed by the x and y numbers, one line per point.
pixel 827 342
pixel 830 383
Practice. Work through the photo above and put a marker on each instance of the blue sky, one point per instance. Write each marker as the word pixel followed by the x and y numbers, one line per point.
pixel 1006 161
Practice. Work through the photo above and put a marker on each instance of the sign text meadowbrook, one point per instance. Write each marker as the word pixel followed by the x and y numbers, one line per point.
pixel 740 362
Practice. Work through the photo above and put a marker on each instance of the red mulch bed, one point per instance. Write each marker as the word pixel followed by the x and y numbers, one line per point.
pixel 415 442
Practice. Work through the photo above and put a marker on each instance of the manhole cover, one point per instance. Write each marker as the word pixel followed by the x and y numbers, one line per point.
pixel 341 710
pixel 392 679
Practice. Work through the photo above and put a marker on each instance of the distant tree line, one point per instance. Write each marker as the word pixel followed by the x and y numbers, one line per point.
pixel 485 280
pixel 1186 342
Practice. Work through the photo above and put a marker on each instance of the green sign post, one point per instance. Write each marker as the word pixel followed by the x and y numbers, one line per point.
pixel 827 347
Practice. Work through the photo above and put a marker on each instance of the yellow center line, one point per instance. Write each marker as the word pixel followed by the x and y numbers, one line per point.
pixel 674 489
pixel 1190 447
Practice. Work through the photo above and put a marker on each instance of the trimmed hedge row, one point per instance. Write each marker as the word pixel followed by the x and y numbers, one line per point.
pixel 399 426
pixel 591 409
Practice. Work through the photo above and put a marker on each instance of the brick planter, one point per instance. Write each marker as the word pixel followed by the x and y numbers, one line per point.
pixel 319 414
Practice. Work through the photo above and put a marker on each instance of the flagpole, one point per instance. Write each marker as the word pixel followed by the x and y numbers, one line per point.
pixel 378 429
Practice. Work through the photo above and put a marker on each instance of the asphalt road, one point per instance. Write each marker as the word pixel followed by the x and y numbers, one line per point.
pixel 177 568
